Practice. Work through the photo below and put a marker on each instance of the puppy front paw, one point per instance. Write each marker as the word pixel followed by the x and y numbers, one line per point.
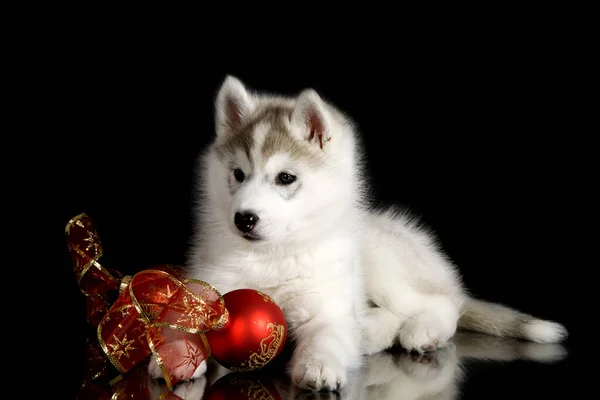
pixel 423 333
pixel 156 373
pixel 318 373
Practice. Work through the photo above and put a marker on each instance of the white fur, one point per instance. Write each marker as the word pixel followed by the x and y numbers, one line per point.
pixel 544 331
pixel 325 254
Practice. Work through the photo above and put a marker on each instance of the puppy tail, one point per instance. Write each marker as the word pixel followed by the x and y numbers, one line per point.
pixel 498 320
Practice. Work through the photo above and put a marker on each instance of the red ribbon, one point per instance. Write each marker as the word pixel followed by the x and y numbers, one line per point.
pixel 156 311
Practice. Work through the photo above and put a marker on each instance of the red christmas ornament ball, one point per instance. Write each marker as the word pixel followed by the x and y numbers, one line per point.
pixel 254 335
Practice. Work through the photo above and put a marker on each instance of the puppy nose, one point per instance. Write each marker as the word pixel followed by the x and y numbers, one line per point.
pixel 246 221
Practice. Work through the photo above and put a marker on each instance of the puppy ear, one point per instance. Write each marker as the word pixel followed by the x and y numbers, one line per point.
pixel 233 104
pixel 310 120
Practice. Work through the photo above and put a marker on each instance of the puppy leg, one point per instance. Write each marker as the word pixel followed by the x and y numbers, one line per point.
pixel 380 329
pixel 430 328
pixel 324 352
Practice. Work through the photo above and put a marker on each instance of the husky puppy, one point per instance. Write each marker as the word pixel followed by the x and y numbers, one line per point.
pixel 283 208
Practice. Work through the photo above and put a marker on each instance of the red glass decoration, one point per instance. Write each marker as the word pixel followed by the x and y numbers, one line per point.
pixel 254 334
pixel 161 312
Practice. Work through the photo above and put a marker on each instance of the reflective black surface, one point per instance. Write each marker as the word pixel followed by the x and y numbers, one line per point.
pixel 473 366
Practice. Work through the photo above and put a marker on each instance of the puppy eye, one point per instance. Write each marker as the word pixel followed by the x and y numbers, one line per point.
pixel 285 179
pixel 238 174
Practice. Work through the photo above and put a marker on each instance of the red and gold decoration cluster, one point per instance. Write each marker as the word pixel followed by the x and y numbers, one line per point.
pixel 159 311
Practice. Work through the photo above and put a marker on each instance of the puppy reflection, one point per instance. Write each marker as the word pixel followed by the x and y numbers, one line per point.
pixel 400 375
pixel 395 375
pixel 438 375
pixel 411 376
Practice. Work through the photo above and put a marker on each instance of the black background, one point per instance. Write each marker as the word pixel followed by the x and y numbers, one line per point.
pixel 480 134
